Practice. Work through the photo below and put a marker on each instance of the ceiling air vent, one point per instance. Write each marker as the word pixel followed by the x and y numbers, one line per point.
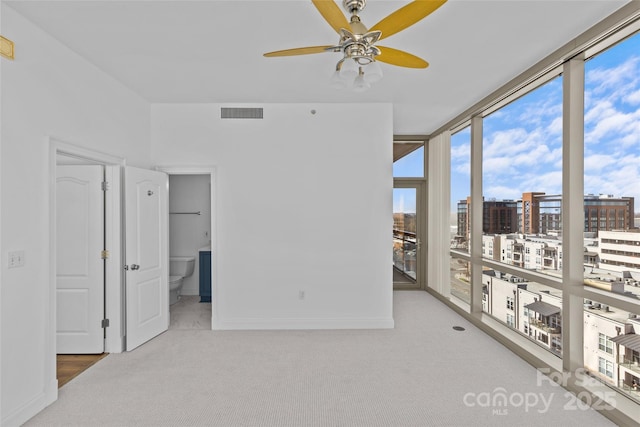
pixel 241 113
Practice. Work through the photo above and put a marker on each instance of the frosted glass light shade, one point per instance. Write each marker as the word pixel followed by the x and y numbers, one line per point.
pixel 372 72
pixel 337 82
pixel 349 69
pixel 360 84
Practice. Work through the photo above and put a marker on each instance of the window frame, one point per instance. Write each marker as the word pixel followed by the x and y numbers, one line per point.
pixel 568 60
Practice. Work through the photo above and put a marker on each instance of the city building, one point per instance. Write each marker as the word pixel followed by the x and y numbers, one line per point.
pixel 539 213
pixel 528 307
pixel 529 213
pixel 620 251
pixel 499 216
pixel 601 212
pixel 611 342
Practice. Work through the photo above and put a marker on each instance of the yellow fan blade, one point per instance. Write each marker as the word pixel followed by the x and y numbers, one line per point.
pixel 332 14
pixel 298 51
pixel 400 58
pixel 406 16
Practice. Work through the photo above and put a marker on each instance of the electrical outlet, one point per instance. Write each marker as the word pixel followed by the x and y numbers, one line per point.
pixel 16 259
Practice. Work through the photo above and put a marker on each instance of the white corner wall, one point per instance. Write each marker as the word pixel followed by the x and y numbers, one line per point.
pixel 303 210
pixel 46 91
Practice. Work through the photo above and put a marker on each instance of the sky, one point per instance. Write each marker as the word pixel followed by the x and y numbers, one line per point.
pixel 412 165
pixel 522 142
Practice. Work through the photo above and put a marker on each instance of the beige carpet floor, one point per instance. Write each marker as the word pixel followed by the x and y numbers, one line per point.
pixel 422 373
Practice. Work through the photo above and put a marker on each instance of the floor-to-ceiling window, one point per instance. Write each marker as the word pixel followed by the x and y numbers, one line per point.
pixel 409 221
pixel 552 250
pixel 521 212
pixel 460 202
pixel 612 192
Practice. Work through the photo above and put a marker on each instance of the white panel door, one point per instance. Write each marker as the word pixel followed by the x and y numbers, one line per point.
pixel 147 255
pixel 79 263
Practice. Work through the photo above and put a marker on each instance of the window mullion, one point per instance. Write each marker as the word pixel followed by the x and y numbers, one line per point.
pixel 475 214
pixel 573 215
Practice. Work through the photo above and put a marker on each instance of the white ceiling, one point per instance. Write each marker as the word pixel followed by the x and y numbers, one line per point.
pixel 211 50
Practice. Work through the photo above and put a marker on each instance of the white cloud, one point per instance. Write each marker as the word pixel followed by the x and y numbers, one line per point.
pixel 633 98
pixel 511 142
pixel 537 155
pixel 619 177
pixel 601 108
pixel 497 166
pixel 548 182
pixel 463 168
pixel 613 79
pixel 596 162
pixel 543 111
pixel 462 151
pixel 614 125
pixel 555 128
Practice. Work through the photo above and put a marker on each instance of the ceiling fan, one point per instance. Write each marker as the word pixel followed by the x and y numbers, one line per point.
pixel 358 44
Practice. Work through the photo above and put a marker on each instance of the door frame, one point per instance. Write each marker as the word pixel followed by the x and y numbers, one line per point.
pixel 211 171
pixel 114 340
pixel 420 184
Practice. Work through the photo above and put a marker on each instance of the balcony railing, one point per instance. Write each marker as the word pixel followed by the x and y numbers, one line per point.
pixel 404 252
pixel 544 327
pixel 632 366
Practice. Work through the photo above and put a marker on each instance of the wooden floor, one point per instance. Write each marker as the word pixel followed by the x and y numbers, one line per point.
pixel 72 365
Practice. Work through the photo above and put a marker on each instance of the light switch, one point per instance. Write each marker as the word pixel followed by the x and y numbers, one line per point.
pixel 16 259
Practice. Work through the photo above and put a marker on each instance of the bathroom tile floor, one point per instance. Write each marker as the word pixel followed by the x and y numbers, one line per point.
pixel 190 313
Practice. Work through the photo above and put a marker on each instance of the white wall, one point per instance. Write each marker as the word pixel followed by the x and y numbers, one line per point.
pixel 47 90
pixel 304 203
pixel 188 233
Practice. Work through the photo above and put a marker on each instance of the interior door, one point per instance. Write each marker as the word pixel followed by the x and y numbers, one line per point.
pixel 147 255
pixel 79 263
pixel 409 228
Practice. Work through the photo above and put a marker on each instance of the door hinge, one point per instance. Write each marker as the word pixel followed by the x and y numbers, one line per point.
pixel 104 254
pixel 105 185
pixel 105 323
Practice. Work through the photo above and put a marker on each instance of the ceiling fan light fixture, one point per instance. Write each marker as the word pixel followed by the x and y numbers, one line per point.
pixel 373 72
pixel 336 81
pixel 360 84
pixel 348 69
pixel 358 43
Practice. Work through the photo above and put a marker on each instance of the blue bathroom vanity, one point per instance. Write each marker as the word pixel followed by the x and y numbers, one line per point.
pixel 205 274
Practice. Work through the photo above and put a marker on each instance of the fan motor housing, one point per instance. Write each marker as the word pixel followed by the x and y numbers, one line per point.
pixel 354 6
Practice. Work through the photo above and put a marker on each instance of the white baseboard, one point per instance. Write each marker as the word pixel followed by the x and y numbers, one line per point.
pixel 266 324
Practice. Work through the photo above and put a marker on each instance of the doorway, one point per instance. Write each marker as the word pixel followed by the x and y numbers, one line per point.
pixel 192 234
pixel 108 310
pixel 190 238
pixel 409 212
pixel 409 229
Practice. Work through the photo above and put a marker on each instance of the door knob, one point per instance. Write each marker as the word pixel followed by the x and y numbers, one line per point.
pixel 135 267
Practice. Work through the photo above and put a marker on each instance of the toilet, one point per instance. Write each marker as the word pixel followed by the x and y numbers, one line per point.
pixel 179 268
